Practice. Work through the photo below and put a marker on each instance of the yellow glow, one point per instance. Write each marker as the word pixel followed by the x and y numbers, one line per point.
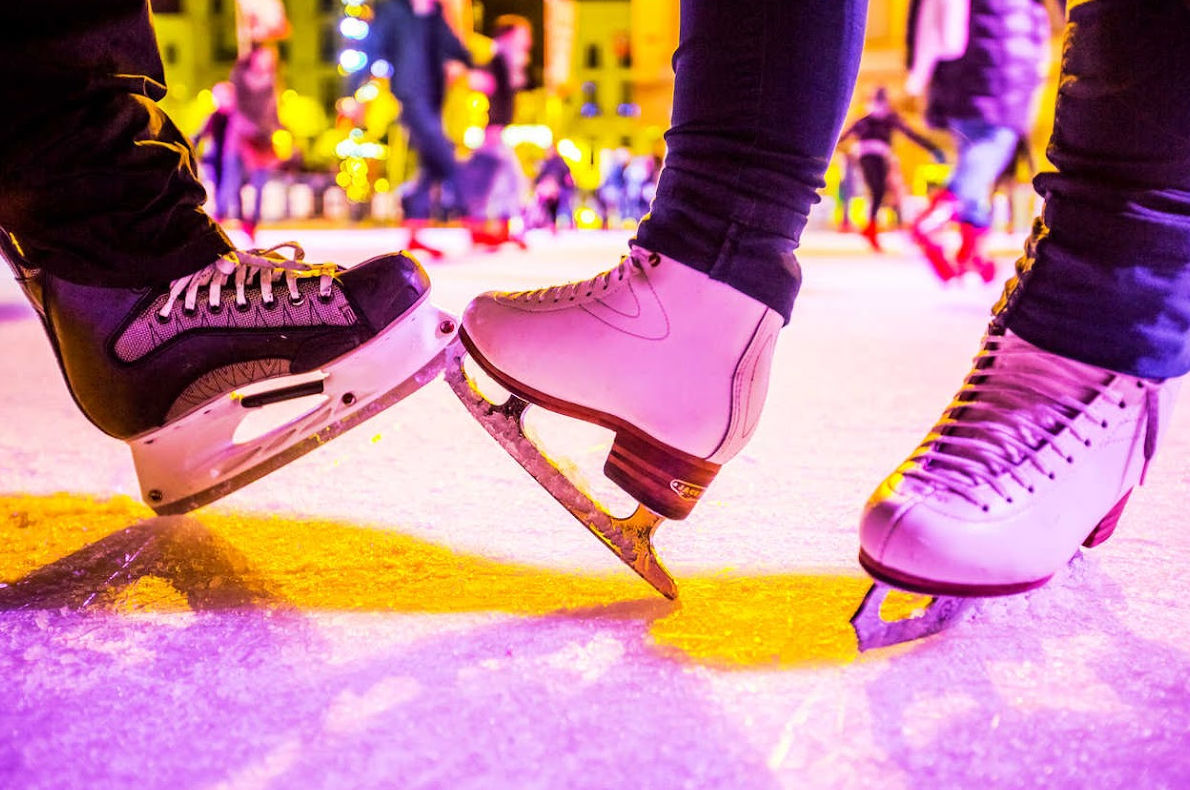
pixel 343 179
pixel 283 144
pixel 587 219
pixel 57 551
pixel 382 185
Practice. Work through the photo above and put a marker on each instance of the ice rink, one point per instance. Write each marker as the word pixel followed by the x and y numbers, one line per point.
pixel 405 608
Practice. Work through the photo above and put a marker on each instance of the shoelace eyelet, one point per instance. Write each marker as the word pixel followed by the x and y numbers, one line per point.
pixel 269 304
pixel 215 309
pixel 326 299
pixel 189 311
pixel 301 300
pixel 163 319
pixel 243 308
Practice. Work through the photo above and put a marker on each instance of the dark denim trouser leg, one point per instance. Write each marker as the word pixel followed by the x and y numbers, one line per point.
pixel 1107 277
pixel 95 181
pixel 760 92
pixel 436 154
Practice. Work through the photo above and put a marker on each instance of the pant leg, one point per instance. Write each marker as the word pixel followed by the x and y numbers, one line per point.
pixel 227 194
pixel 96 182
pixel 436 154
pixel 984 150
pixel 1106 278
pixel 875 170
pixel 760 92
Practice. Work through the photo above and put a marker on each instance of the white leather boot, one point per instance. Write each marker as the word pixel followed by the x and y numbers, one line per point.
pixel 1036 455
pixel 674 362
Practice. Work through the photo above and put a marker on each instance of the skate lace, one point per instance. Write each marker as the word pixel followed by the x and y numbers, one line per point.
pixel 243 268
pixel 600 283
pixel 1014 403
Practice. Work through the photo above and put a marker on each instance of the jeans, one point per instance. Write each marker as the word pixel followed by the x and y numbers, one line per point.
pixel 984 150
pixel 1106 278
pixel 96 183
pixel 761 89
pixel 436 158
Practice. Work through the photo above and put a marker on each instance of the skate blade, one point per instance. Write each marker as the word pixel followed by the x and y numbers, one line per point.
pixel 630 539
pixel 873 631
pixel 203 457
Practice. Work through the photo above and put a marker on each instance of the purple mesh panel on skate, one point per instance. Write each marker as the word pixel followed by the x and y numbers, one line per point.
pixel 147 331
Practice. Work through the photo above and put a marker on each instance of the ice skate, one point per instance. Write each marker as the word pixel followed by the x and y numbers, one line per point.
pixel 871 232
pixel 229 373
pixel 1036 455
pixel 927 228
pixel 971 256
pixel 675 363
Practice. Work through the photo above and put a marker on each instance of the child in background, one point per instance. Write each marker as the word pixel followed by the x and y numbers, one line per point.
pixel 873 134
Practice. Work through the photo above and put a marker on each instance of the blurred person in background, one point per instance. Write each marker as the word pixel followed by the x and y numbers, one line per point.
pixel 873 135
pixel 554 188
pixel 418 44
pixel 981 64
pixel 214 134
pixel 249 153
pixel 494 181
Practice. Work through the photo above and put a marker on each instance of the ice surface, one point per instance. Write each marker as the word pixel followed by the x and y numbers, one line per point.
pixel 405 608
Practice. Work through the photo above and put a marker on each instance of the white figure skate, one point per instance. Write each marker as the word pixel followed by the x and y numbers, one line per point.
pixel 675 363
pixel 1036 455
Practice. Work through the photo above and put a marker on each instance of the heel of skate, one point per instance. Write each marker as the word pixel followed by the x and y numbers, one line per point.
pixel 1104 529
pixel 630 539
pixel 667 481
pixel 242 435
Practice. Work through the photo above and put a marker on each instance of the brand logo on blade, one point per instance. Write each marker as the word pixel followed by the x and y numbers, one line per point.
pixel 686 490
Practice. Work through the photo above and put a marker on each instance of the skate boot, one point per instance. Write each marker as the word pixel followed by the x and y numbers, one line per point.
pixel 927 229
pixel 872 234
pixel 232 372
pixel 971 257
pixel 675 363
pixel 1036 455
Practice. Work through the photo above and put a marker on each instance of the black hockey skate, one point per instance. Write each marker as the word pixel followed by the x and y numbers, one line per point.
pixel 238 369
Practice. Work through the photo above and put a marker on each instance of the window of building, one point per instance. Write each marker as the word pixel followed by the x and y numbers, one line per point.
pixel 328 43
pixel 167 6
pixel 594 56
pixel 223 46
pixel 330 91
pixel 169 53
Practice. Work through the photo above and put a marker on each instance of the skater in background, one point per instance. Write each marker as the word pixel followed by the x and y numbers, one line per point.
pixel 554 188
pixel 494 180
pixel 1069 396
pixel 151 311
pixel 214 134
pixel 981 64
pixel 418 44
pixel 249 154
pixel 873 135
